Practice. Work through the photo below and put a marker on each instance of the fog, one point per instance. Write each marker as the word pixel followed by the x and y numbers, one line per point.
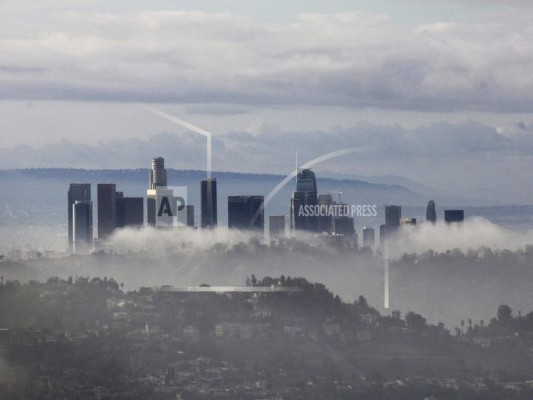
pixel 445 272
pixel 474 233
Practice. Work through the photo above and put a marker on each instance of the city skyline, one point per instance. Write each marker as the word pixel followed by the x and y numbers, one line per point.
pixel 440 86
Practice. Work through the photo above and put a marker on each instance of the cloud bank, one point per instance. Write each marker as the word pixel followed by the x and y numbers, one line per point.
pixel 352 59
pixel 498 162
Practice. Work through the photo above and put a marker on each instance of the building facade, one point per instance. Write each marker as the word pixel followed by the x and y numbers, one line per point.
pixel 243 209
pixel 82 226
pixel 208 194
pixel 77 192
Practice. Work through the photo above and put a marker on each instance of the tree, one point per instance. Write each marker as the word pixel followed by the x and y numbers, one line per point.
pixel 415 321
pixel 505 314
pixel 361 302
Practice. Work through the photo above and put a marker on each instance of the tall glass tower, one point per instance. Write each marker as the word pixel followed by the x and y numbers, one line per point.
pixel 431 214
pixel 82 226
pixel 76 192
pixel 305 195
pixel 158 173
pixel 209 202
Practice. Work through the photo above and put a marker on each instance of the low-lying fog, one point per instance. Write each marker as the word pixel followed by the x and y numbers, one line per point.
pixel 446 273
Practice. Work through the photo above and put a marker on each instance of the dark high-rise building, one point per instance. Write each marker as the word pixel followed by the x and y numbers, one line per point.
pixel 107 210
pixel 241 211
pixel 306 181
pixel 158 173
pixel 393 214
pixel 209 202
pixel 431 213
pixel 344 226
pixel 190 215
pixel 325 222
pixel 368 236
pixel 82 226
pixel 454 216
pixel 276 226
pixel 408 221
pixel 382 234
pixel 76 192
pixel 130 211
pixel 305 195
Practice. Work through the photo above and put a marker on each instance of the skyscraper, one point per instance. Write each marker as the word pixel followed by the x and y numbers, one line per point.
pixel 209 202
pixel 190 215
pixel 454 216
pixel 393 214
pixel 276 226
pixel 130 211
pixel 156 191
pixel 305 195
pixel 345 226
pixel 158 173
pixel 431 213
pixel 82 226
pixel 76 192
pixel 368 236
pixel 325 222
pixel 107 211
pixel 241 211
pixel 159 206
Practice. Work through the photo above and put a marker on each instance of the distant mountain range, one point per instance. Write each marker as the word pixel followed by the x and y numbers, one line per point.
pixel 39 195
pixel 29 192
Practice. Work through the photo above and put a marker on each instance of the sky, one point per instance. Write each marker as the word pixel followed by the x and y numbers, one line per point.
pixel 440 91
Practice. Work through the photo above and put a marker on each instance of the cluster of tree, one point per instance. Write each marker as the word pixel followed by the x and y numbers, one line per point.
pixel 74 304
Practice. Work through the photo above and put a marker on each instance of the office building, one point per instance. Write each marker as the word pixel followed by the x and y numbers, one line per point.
pixel 130 211
pixel 392 216
pixel 190 216
pixel 76 192
pixel 107 211
pixel 157 190
pixel 208 196
pixel 431 213
pixel 276 226
pixel 382 234
pixel 331 239
pixel 160 207
pixel 325 222
pixel 82 226
pixel 408 221
pixel 158 173
pixel 241 212
pixel 345 226
pixel 368 236
pixel 305 196
pixel 454 216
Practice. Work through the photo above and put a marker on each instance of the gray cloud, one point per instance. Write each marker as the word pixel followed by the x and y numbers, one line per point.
pixel 349 59
pixel 436 155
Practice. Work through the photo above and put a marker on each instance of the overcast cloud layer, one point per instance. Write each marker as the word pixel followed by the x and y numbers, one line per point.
pixel 498 164
pixel 348 58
